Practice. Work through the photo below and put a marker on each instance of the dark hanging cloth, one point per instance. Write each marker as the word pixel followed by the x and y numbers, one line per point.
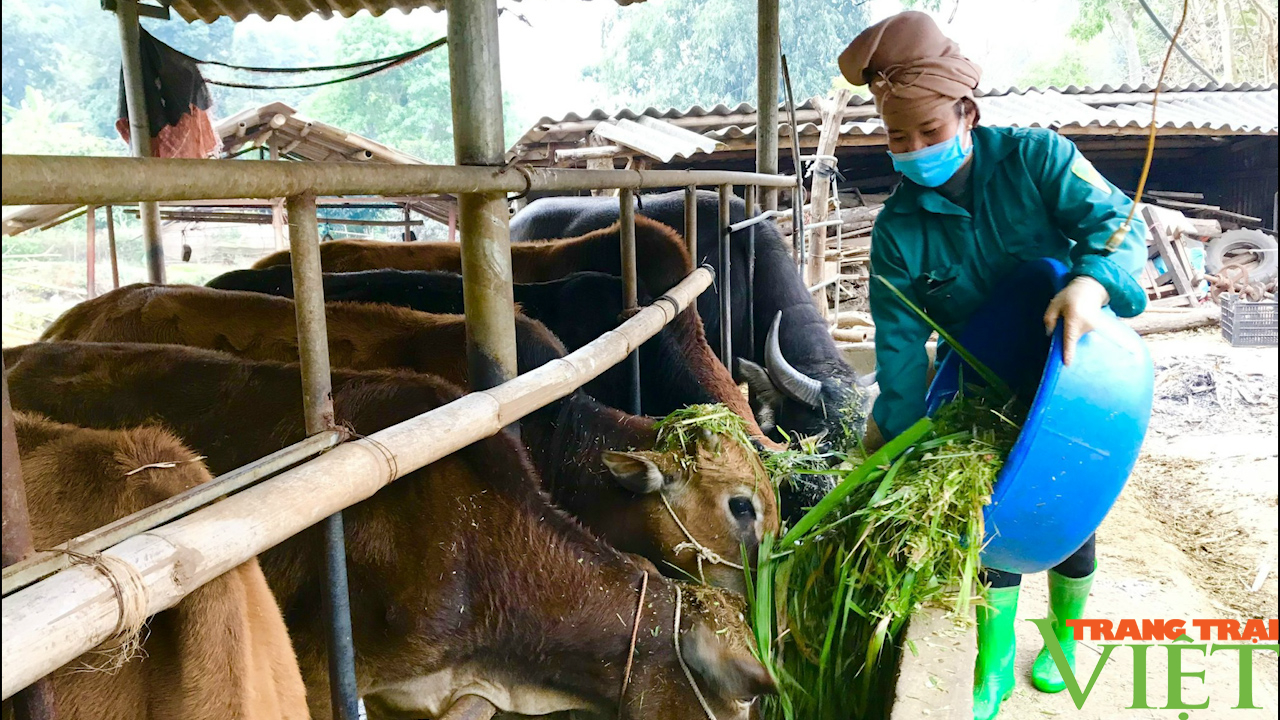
pixel 178 102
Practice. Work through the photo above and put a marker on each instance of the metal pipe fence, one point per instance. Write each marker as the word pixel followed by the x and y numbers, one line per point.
pixel 51 603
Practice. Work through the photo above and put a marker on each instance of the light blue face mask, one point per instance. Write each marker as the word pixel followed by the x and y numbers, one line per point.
pixel 934 165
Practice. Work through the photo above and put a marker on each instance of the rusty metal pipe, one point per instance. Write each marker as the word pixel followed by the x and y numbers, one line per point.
pixel 36 702
pixel 630 290
pixel 139 128
pixel 751 193
pixel 317 408
pixel 726 295
pixel 46 179
pixel 691 222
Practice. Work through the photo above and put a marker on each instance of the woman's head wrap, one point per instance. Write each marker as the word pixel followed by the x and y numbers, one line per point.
pixel 915 72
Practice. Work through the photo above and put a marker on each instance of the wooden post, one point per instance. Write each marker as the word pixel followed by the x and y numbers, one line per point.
pixel 111 246
pixel 408 224
pixel 832 110
pixel 317 408
pixel 91 252
pixel 453 223
pixel 36 702
pixel 768 59
pixel 139 130
pixel 476 89
pixel 1172 259
pixel 691 222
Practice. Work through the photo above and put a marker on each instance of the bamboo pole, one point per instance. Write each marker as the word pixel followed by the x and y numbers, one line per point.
pixel 84 180
pixel 43 564
pixel 52 622
pixel 139 129
pixel 476 89
pixel 832 115
pixel 768 62
pixel 35 702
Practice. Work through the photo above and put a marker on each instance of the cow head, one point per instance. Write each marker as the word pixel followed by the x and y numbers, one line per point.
pixel 715 645
pixel 716 488
pixel 785 398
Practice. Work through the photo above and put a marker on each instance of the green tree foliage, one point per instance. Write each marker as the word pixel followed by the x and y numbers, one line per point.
pixel 681 52
pixel 407 107
pixel 42 126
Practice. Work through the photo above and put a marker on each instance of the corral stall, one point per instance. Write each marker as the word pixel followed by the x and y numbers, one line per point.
pixel 53 613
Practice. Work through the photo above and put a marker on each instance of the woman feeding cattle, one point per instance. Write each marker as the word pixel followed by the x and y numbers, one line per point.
pixel 974 204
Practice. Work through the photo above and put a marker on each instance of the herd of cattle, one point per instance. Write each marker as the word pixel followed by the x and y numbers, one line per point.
pixel 536 570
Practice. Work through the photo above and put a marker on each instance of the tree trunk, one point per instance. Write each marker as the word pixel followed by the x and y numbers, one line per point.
pixel 1133 59
pixel 1224 35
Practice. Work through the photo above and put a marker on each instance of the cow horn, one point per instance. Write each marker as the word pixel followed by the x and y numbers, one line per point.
pixel 793 383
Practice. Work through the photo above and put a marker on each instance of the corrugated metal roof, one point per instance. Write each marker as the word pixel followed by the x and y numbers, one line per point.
pixel 656 138
pixel 210 10
pixel 1244 109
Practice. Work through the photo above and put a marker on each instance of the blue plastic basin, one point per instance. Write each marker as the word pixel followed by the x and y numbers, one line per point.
pixel 1084 430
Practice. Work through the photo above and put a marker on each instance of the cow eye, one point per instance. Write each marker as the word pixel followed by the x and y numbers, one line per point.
pixel 742 508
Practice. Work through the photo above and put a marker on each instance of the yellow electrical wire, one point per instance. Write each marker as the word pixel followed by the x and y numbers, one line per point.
pixel 1113 242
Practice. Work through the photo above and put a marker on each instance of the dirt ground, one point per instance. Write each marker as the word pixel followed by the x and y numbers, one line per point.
pixel 1192 536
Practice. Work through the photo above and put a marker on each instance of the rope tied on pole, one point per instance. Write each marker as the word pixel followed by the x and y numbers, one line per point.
pixel 132 598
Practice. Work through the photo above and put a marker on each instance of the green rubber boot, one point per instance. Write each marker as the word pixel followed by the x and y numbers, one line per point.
pixel 1067 597
pixel 993 677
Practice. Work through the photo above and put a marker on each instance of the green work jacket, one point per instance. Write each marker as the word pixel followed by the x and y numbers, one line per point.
pixel 1033 195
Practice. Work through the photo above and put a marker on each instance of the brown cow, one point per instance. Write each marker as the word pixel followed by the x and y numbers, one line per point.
pixel 362 335
pixel 223 652
pixel 465 580
pixel 724 498
pixel 663 260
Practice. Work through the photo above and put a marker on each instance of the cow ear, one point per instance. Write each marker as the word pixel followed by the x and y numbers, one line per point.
pixel 634 472
pixel 729 672
pixel 765 397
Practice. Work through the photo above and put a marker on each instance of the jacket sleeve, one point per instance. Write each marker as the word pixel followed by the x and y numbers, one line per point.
pixel 901 361
pixel 1088 209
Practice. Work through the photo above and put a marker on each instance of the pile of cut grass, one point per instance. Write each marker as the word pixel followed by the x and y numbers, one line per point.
pixel 830 599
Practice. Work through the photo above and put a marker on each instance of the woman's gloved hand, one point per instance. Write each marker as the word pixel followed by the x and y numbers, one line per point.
pixel 1079 306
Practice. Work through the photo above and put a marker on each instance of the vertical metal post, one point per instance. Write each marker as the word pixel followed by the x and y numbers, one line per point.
pixel 476 90
pixel 91 251
pixel 691 222
pixel 453 224
pixel 768 58
pixel 317 408
pixel 139 130
pixel 630 293
pixel 36 701
pixel 750 353
pixel 408 228
pixel 111 246
pixel 726 295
